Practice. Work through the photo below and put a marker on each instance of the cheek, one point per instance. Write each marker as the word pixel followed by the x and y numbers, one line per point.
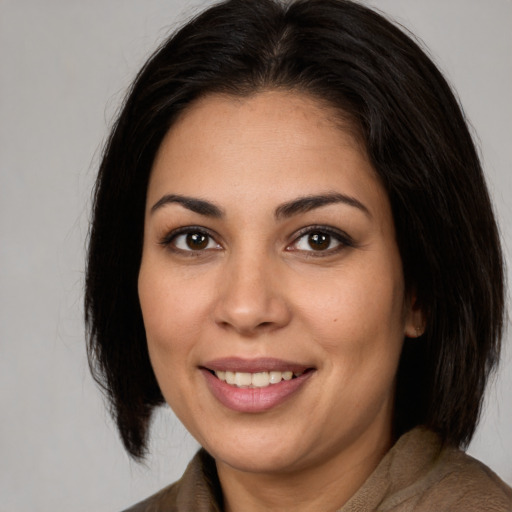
pixel 353 307
pixel 170 310
pixel 170 320
pixel 357 319
pixel 166 318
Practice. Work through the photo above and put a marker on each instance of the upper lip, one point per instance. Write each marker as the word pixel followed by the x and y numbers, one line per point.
pixel 262 364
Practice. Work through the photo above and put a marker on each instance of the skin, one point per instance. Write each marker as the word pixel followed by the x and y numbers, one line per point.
pixel 260 289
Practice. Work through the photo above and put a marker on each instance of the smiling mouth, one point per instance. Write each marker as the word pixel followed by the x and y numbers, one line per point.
pixel 257 379
pixel 255 385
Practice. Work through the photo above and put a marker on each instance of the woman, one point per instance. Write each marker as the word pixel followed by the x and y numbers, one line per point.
pixel 293 246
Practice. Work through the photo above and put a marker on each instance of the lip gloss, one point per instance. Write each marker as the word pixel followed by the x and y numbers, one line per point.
pixel 254 399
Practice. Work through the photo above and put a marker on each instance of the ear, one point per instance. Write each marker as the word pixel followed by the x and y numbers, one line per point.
pixel 415 321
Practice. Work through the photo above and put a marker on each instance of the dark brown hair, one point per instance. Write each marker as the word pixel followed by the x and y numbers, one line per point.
pixel 415 134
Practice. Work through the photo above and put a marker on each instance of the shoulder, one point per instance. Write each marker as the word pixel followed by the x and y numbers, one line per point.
pixel 459 482
pixel 428 477
pixel 418 474
pixel 165 499
pixel 198 490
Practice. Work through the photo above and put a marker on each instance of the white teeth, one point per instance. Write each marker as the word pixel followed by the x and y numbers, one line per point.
pixel 255 380
pixel 260 380
pixel 275 377
pixel 243 380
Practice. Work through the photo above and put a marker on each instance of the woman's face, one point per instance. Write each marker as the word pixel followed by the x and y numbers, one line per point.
pixel 271 284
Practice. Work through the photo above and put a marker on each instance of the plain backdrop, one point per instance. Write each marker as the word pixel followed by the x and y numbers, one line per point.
pixel 64 68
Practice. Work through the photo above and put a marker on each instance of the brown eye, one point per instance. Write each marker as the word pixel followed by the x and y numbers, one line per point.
pixel 196 241
pixel 319 241
pixel 191 241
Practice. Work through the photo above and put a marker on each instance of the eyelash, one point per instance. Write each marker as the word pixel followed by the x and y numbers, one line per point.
pixel 169 240
pixel 343 240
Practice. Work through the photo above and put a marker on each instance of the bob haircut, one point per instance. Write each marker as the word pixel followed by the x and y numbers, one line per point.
pixel 357 63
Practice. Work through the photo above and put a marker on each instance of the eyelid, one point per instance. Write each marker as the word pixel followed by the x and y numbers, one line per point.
pixel 169 237
pixel 343 238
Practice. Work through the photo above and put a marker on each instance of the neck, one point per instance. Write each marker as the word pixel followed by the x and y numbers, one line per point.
pixel 326 485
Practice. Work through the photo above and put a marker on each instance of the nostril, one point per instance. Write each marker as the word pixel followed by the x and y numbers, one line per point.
pixel 251 313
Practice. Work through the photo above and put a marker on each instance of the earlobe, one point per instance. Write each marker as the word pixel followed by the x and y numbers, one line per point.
pixel 415 323
pixel 416 327
pixel 418 331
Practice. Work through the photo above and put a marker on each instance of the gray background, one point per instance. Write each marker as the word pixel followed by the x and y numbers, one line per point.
pixel 64 68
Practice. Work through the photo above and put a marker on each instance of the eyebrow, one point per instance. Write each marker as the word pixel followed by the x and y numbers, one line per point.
pixel 286 210
pixel 308 203
pixel 196 205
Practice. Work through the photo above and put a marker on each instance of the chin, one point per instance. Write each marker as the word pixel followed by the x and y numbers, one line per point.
pixel 259 461
pixel 267 454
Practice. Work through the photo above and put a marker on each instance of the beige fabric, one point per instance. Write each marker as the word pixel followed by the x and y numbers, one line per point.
pixel 416 475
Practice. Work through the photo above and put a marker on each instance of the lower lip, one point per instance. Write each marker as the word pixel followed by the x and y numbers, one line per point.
pixel 254 400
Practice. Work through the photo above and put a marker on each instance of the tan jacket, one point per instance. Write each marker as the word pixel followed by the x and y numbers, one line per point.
pixel 417 474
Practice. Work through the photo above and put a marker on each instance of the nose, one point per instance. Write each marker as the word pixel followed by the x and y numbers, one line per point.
pixel 251 298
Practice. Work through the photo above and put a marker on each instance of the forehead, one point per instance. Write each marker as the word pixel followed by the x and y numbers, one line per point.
pixel 281 116
pixel 280 144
